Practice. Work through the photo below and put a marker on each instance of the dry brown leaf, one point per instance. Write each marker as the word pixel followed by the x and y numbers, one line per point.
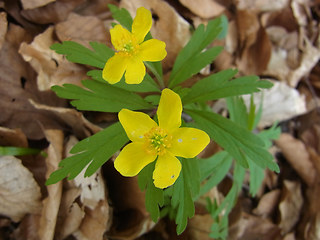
pixel 52 68
pixel 280 103
pixel 70 214
pixel 51 204
pixel 262 5
pixel 204 8
pixel 289 236
pixel 199 227
pixel 30 4
pixel 267 204
pixel 297 155
pixel 19 78
pixel 82 29
pixel 19 192
pixel 95 222
pixel 130 218
pixel 51 13
pixel 27 229
pixel 254 44
pixel 74 120
pixel 168 26
pixel 290 205
pixel 252 228
pixel 3 27
pixel 10 137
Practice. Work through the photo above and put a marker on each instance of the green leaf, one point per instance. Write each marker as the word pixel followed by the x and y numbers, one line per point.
pixel 194 65
pixel 182 202
pixel 234 138
pixel 101 97
pixel 191 170
pixel 215 169
pixel 217 86
pixel 224 26
pixel 238 111
pixel 231 197
pixel 18 151
pixel 191 53
pixel 147 85
pixel 154 196
pixel 77 53
pixel 121 15
pixel 93 151
pixel 256 177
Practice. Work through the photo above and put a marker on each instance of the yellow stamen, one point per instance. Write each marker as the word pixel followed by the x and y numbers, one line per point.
pixel 157 141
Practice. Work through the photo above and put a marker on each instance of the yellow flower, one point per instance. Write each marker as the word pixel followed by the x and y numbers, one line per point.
pixel 132 50
pixel 163 142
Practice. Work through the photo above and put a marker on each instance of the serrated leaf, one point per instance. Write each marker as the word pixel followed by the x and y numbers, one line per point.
pixel 101 97
pixel 214 169
pixel 231 197
pixel 77 53
pixel 93 151
pixel 191 53
pixel 147 85
pixel 121 15
pixel 182 202
pixel 194 65
pixel 154 196
pixel 218 86
pixel 235 139
pixel 237 111
pixel 192 171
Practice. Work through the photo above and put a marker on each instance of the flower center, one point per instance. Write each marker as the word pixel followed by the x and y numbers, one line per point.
pixel 157 141
pixel 129 48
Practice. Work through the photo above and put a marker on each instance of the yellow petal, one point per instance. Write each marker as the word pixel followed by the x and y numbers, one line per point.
pixel 114 68
pixel 153 50
pixel 132 159
pixel 120 37
pixel 135 71
pixel 188 142
pixel 169 110
pixel 167 171
pixel 141 24
pixel 136 124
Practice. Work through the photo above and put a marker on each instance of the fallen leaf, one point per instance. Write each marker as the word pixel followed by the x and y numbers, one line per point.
pixel 262 5
pixel 17 76
pixel 204 8
pixel 19 192
pixel 70 213
pixel 267 204
pixel 81 29
pixel 199 227
pixel 69 118
pixel 167 26
pixel 290 206
pixel 95 222
pixel 51 13
pixel 254 44
pixel 30 4
pixel 130 217
pixel 281 102
pixel 3 28
pixel 297 155
pixel 252 228
pixel 51 203
pixel 52 68
pixel 10 137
